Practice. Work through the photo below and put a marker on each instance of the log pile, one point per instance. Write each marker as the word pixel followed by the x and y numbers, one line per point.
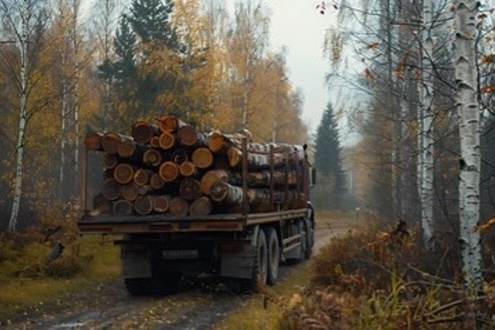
pixel 172 168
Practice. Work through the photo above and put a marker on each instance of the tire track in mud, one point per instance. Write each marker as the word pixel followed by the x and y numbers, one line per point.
pixel 197 307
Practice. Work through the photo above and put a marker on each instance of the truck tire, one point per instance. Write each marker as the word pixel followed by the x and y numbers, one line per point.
pixel 261 256
pixel 135 286
pixel 310 239
pixel 273 259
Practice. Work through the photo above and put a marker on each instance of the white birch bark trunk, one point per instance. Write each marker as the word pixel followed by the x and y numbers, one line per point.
pixel 23 41
pixel 77 75
pixel 469 131
pixel 426 132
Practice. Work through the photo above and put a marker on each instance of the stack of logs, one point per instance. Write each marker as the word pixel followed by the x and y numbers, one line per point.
pixel 170 167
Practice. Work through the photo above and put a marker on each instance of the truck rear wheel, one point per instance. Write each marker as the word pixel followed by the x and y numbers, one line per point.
pixel 260 264
pixel 273 259
pixel 310 238
pixel 135 286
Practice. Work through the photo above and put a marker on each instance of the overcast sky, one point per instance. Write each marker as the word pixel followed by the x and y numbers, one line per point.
pixel 297 25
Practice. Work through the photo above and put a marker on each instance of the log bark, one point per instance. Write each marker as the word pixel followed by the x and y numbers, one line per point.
pixel 211 177
pixel 169 123
pixel 109 161
pixel 178 206
pixel 143 131
pixel 123 173
pixel 111 189
pixel 122 207
pixel 169 171
pixel 190 189
pixel 255 161
pixel 188 169
pixel 222 192
pixel 130 191
pixel 92 141
pixel 218 142
pixel 202 158
pixel 110 141
pixel 189 137
pixel 161 203
pixel 201 206
pixel 132 149
pixel 143 205
pixel 167 141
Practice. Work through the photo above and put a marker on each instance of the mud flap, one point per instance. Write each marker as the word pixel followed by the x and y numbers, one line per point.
pixel 240 264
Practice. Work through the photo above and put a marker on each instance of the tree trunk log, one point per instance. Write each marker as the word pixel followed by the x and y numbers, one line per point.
pixel 109 161
pixel 169 124
pixel 169 171
pixel 211 177
pixel 123 173
pixel 222 192
pixel 110 141
pixel 161 203
pixel 202 158
pixel 132 149
pixel 189 137
pixel 201 206
pixel 178 206
pixel 188 169
pixel 92 141
pixel 122 207
pixel 190 189
pixel 101 205
pixel 142 176
pixel 155 142
pixel 143 132
pixel 130 191
pixel 156 181
pixel 167 141
pixel 143 205
pixel 111 189
pixel 255 161
pixel 154 157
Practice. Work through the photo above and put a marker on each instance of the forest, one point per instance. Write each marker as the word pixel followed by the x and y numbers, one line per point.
pixel 68 70
pixel 424 165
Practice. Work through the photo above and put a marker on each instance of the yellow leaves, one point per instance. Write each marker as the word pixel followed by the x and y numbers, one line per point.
pixel 486 226
pixel 488 89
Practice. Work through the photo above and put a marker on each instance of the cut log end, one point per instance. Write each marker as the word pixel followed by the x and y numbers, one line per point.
pixel 201 206
pixel 169 171
pixel 109 161
pixel 166 141
pixel 92 141
pixel 152 157
pixel 123 173
pixel 188 169
pixel 202 158
pixel 161 203
pixel 187 136
pixel 143 131
pixel 178 206
pixel 143 205
pixel 122 207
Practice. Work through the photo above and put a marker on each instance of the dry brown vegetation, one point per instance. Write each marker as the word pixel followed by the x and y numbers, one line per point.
pixel 382 278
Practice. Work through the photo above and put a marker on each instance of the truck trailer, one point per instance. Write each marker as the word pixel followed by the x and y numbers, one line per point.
pixel 242 243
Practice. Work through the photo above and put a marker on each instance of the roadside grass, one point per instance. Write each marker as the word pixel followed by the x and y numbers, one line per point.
pixel 28 281
pixel 263 310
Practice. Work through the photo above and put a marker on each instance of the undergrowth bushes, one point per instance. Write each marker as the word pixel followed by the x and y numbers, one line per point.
pixel 375 279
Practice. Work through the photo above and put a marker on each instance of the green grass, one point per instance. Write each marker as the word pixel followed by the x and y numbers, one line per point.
pixel 263 310
pixel 95 259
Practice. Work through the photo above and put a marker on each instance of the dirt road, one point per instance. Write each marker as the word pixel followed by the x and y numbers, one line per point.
pixel 108 306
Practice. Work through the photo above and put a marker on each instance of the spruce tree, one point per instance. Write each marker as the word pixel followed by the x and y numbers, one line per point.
pixel 331 185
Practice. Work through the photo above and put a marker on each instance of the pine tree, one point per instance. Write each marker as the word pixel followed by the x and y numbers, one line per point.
pixel 150 20
pixel 331 185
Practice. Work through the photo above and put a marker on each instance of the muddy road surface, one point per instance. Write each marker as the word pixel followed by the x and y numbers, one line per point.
pixel 198 306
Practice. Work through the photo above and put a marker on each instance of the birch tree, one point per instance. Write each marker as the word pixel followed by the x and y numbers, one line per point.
pixel 425 124
pixel 469 132
pixel 22 39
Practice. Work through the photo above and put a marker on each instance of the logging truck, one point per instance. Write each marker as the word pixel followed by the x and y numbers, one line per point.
pixel 186 204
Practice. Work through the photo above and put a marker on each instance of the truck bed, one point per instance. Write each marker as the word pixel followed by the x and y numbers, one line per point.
pixel 166 223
